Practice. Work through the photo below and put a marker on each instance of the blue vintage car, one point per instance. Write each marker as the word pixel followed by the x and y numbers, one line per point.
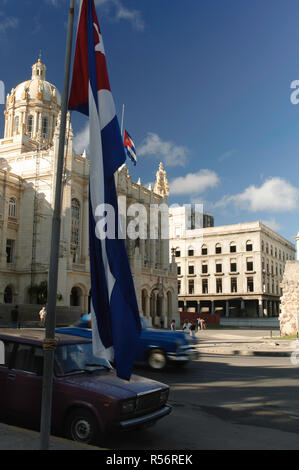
pixel 157 348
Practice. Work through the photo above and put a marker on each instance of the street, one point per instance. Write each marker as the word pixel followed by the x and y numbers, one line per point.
pixel 224 402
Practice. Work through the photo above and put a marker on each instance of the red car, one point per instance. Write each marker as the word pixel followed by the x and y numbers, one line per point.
pixel 89 400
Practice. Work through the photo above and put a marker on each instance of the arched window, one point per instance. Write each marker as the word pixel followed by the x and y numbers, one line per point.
pixel 12 207
pixel 30 125
pixel 75 236
pixel 218 248
pixel 190 251
pixel 16 124
pixel 204 250
pixel 233 247
pixel 8 295
pixel 45 125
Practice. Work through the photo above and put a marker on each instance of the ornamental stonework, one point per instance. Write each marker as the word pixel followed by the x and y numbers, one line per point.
pixel 290 299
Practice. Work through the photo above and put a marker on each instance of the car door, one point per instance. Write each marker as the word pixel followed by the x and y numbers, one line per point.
pixel 4 372
pixel 24 384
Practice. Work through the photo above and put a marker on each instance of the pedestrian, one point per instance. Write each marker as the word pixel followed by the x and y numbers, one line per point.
pixel 192 330
pixel 162 322
pixel 198 324
pixel 14 314
pixel 186 326
pixel 42 316
pixel 203 324
pixel 172 325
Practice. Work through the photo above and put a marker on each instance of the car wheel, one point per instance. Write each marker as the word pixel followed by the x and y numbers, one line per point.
pixel 157 359
pixel 81 426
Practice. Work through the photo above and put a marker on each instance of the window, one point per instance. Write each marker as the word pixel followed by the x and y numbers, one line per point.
pixel 249 246
pixel 249 264
pixel 218 249
pixel 234 284
pixel 190 269
pixel 204 268
pixel 204 250
pixel 233 266
pixel 205 287
pixel 29 359
pixel 12 207
pixel 30 125
pixel 233 248
pixel 10 245
pixel 75 235
pixel 190 252
pixel 8 348
pixel 219 286
pixel 191 286
pixel 179 287
pixel 179 270
pixel 250 286
pixel 45 125
pixel 218 267
pixel 16 124
pixel 177 253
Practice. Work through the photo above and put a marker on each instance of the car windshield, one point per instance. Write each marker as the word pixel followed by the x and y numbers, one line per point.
pixel 74 358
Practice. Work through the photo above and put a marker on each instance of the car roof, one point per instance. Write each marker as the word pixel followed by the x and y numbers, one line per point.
pixel 37 335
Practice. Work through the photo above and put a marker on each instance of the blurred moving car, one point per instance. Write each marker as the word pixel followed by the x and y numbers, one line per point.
pixel 89 400
pixel 157 348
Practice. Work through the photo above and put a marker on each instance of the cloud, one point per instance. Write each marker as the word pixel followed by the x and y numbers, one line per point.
pixel 117 11
pixel 170 153
pixel 81 140
pixel 273 224
pixel 194 183
pixel 274 195
pixel 226 155
pixel 7 22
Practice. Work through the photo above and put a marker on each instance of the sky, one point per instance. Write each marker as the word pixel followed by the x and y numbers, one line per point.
pixel 206 89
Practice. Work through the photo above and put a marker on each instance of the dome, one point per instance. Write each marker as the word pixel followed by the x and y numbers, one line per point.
pixel 38 89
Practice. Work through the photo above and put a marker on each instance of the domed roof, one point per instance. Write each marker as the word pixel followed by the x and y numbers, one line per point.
pixel 38 88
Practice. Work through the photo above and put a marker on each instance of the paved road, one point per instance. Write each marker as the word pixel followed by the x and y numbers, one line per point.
pixel 225 402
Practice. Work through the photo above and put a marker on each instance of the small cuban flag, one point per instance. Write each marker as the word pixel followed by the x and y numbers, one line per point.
pixel 130 148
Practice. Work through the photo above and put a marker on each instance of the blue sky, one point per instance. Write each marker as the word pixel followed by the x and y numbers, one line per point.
pixel 206 88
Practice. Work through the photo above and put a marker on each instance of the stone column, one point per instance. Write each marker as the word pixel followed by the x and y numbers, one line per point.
pixel 260 308
pixel 227 308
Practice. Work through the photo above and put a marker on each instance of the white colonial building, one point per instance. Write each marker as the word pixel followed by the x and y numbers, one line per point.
pixel 233 270
pixel 28 157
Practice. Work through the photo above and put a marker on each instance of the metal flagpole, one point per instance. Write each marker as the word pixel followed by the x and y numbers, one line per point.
pixel 122 120
pixel 49 342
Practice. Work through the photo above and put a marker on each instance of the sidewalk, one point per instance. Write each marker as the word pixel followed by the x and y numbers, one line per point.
pixel 16 438
pixel 246 343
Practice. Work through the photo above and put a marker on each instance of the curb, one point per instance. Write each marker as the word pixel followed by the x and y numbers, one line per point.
pixel 238 352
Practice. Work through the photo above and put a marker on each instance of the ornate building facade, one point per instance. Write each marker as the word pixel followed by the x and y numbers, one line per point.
pixel 28 157
pixel 233 270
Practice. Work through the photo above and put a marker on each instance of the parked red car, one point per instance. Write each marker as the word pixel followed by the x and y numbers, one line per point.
pixel 89 400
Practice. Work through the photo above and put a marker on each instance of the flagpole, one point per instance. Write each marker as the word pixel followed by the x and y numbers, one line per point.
pixel 122 120
pixel 49 342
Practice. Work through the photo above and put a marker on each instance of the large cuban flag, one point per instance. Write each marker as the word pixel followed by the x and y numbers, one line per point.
pixel 115 315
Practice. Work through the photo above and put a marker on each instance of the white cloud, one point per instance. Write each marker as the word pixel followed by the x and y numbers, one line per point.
pixel 273 224
pixel 170 153
pixel 81 140
pixel 274 195
pixel 194 183
pixel 7 22
pixel 117 11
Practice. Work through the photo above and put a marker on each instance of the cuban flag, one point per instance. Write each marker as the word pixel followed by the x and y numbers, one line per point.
pixel 130 147
pixel 114 309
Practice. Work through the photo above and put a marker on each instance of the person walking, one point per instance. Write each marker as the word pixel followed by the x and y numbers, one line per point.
pixel 198 323
pixel 14 314
pixel 172 325
pixel 42 316
pixel 192 330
